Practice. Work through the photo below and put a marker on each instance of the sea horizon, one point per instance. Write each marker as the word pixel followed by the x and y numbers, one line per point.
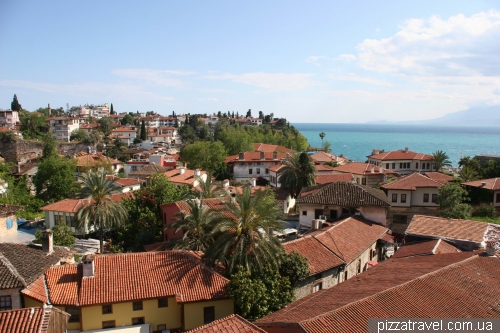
pixel 357 140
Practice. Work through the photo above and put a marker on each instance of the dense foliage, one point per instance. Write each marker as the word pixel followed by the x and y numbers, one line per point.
pixel 205 155
pixel 62 235
pixel 451 199
pixel 55 179
pixel 298 172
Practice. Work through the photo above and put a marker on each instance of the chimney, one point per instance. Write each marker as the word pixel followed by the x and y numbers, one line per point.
pixel 490 248
pixel 88 265
pixel 197 173
pixel 241 156
pixel 182 170
pixel 47 241
pixel 225 183
pixel 253 182
pixel 406 149
pixel 262 155
pixel 275 155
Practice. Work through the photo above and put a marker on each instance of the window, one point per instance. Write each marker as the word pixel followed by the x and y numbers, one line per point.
pixel 5 303
pixel 363 181
pixel 426 197
pixel 399 219
pixel 107 308
pixel 138 321
pixel 161 327
pixel 250 171
pixel 162 302
pixel 134 168
pixel 346 275
pixel 403 198
pixel 416 165
pixel 304 213
pixel 75 314
pixel 8 223
pixel 394 165
pixel 394 197
pixel 358 266
pixel 388 165
pixel 498 197
pixel 108 324
pixel 258 171
pixel 208 314
pixel 137 305
pixel 317 287
pixel 434 198
pixel 401 165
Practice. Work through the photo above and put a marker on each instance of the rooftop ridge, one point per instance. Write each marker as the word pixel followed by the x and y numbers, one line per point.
pixel 12 269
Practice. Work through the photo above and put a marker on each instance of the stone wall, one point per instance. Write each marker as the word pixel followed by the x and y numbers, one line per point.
pixel 23 151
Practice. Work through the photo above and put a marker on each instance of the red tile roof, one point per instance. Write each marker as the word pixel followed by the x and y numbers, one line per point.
pixel 84 160
pixel 467 289
pixel 490 184
pixel 270 148
pixel 122 129
pixel 401 155
pixel 323 167
pixel 73 205
pixel 339 177
pixel 359 168
pixel 412 182
pixel 31 320
pixel 229 324
pixel 215 204
pixel 275 168
pixel 384 276
pixel 254 156
pixel 128 181
pixel 450 229
pixel 322 157
pixel 440 177
pixel 187 178
pixel 431 247
pixel 135 276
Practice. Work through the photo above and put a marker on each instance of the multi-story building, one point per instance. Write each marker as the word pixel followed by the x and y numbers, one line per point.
pixel 365 173
pixel 246 166
pixel 61 127
pixel 9 118
pixel 402 161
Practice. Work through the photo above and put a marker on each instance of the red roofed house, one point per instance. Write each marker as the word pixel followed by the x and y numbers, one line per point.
pixel 365 173
pixel 402 161
pixel 246 166
pixel 47 319
pixel 487 191
pixel 86 161
pixel 186 177
pixel 338 253
pixel 268 148
pixel 167 290
pixel 164 134
pixel 124 134
pixel 412 194
pixel 322 157
pixel 128 184
pixel 229 324
pixel 65 210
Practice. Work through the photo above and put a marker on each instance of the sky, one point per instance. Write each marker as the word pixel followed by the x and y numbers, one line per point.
pixel 309 61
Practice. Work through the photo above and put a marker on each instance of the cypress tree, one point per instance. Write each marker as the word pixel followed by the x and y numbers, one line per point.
pixel 111 110
pixel 143 135
pixel 15 106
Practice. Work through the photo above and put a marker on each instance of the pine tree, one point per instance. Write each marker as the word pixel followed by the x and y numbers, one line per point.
pixel 15 106
pixel 111 110
pixel 143 135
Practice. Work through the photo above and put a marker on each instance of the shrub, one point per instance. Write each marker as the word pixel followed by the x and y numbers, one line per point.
pixel 485 211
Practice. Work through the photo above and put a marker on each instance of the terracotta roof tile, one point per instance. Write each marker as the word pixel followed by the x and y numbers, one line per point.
pixel 473 281
pixel 412 182
pixel 229 324
pixel 323 167
pixel 134 276
pixel 270 148
pixel 73 205
pixel 359 168
pixel 345 194
pixel 490 184
pixel 84 160
pixel 149 170
pixel 431 247
pixel 275 167
pixel 187 178
pixel 339 177
pixel 322 157
pixel 36 290
pixel 375 280
pixel 401 155
pixel 128 181
pixel 122 129
pixel 28 320
pixel 9 209
pixel 440 177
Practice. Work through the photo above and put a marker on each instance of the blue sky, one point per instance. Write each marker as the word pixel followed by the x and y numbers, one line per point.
pixel 308 61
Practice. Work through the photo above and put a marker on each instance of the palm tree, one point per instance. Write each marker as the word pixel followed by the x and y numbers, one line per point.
pixel 322 135
pixel 441 160
pixel 197 226
pixel 100 209
pixel 468 173
pixel 244 236
pixel 206 189
pixel 468 161
pixel 298 172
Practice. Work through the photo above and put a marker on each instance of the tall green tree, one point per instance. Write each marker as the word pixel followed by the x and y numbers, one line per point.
pixel 298 171
pixel 144 135
pixel 55 179
pixel 128 119
pixel 451 199
pixel 246 239
pixel 468 173
pixel 111 111
pixel 207 189
pixel 49 146
pixel 100 210
pixel 105 125
pixel 205 155
pixel 15 106
pixel 441 160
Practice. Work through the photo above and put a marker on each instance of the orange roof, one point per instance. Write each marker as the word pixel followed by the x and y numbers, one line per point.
pixel 275 168
pixel 128 181
pixel 229 324
pixel 430 247
pixel 322 157
pixel 339 177
pixel 323 167
pixel 440 177
pixel 359 168
pixel 490 184
pixel 187 178
pixel 215 204
pixel 31 320
pixel 73 205
pixel 412 182
pixel 83 160
pixel 135 276
pixel 254 156
pixel 401 155
pixel 267 148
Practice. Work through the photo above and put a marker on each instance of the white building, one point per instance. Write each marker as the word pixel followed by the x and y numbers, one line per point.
pixel 402 161
pixel 246 166
pixel 9 118
pixel 61 127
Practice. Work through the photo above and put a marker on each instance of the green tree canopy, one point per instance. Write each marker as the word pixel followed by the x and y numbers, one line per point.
pixel 451 201
pixel 33 125
pixel 128 119
pixel 55 179
pixel 49 146
pixel 15 106
pixel 205 155
pixel 62 235
pixel 441 160
pixel 106 125
pixel 298 172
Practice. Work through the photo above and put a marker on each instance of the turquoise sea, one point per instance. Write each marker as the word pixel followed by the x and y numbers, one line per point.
pixel 356 141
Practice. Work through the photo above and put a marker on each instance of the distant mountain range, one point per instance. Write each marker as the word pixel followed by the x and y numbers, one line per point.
pixel 489 116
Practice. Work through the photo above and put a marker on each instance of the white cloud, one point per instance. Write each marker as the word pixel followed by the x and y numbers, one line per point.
pixel 315 59
pixel 346 57
pixel 209 99
pixel 356 78
pixel 270 81
pixel 158 77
